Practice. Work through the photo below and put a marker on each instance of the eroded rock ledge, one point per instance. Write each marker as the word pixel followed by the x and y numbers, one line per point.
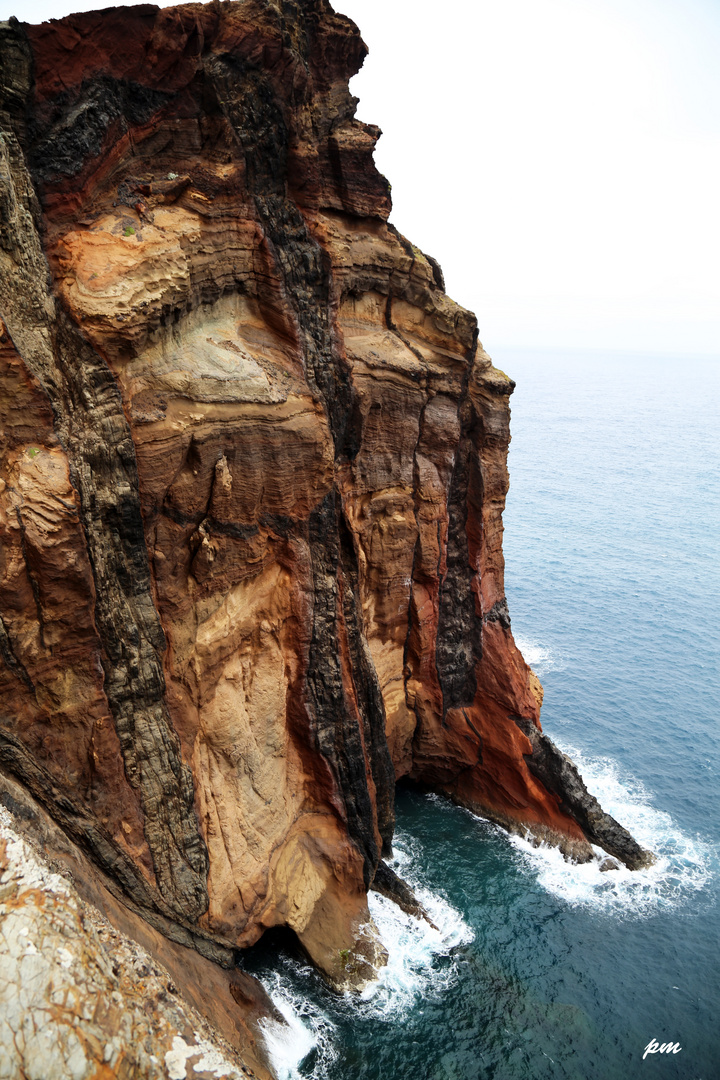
pixel 253 471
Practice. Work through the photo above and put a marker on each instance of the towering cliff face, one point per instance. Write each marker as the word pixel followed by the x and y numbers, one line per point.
pixel 253 470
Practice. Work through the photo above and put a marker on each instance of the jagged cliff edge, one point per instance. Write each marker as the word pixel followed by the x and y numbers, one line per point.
pixel 253 468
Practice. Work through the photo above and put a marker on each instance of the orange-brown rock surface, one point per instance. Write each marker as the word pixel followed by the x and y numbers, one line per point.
pixel 253 473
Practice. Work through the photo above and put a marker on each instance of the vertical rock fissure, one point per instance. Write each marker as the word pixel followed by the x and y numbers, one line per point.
pixel 8 654
pixel 32 579
pixel 249 105
pixel 407 671
pixel 459 640
pixel 338 735
pixel 367 686
pixel 92 427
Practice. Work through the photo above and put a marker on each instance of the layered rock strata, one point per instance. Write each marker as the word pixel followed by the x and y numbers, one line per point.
pixel 253 473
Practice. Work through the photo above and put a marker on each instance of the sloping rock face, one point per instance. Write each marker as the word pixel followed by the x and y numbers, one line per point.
pixel 253 471
pixel 79 998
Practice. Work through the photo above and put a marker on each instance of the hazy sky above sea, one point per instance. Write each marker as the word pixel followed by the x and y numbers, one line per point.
pixel 560 158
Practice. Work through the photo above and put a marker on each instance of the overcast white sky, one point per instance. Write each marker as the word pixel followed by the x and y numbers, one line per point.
pixel 560 158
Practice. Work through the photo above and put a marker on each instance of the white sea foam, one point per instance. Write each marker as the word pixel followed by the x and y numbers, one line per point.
pixel 414 948
pixel 541 658
pixel 419 964
pixel 306 1029
pixel 684 864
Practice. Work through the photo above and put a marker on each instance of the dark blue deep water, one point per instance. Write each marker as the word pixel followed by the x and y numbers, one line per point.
pixel 541 969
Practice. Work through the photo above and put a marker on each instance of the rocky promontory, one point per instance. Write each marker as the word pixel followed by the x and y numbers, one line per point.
pixel 253 466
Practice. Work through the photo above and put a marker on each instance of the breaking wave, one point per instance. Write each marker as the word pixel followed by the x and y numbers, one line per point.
pixel 304 1046
pixel 684 864
pixel 424 960
pixel 420 965
pixel 420 956
pixel 541 658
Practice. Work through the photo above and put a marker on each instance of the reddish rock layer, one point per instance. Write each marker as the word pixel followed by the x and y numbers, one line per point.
pixel 254 467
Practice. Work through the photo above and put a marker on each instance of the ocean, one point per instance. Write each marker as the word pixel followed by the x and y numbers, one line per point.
pixel 540 969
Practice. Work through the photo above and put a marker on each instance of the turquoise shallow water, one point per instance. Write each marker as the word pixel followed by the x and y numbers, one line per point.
pixel 540 969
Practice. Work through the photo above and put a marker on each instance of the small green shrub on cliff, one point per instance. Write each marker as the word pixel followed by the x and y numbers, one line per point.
pixel 347 960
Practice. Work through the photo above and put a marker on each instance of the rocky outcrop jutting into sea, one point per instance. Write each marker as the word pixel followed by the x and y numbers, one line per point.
pixel 253 468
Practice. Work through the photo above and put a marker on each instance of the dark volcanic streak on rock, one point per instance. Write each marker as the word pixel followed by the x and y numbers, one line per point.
pixel 103 458
pixel 560 775
pixel 92 427
pixel 256 118
pixel 73 131
pixel 335 721
pixel 121 875
pixel 459 636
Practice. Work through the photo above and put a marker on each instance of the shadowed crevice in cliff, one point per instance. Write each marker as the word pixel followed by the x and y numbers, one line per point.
pixel 335 719
pixel 369 694
pixel 558 773
pixel 459 636
pixel 8 654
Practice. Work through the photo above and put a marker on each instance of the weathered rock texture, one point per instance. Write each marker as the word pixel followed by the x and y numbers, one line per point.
pixel 254 467
pixel 79 998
